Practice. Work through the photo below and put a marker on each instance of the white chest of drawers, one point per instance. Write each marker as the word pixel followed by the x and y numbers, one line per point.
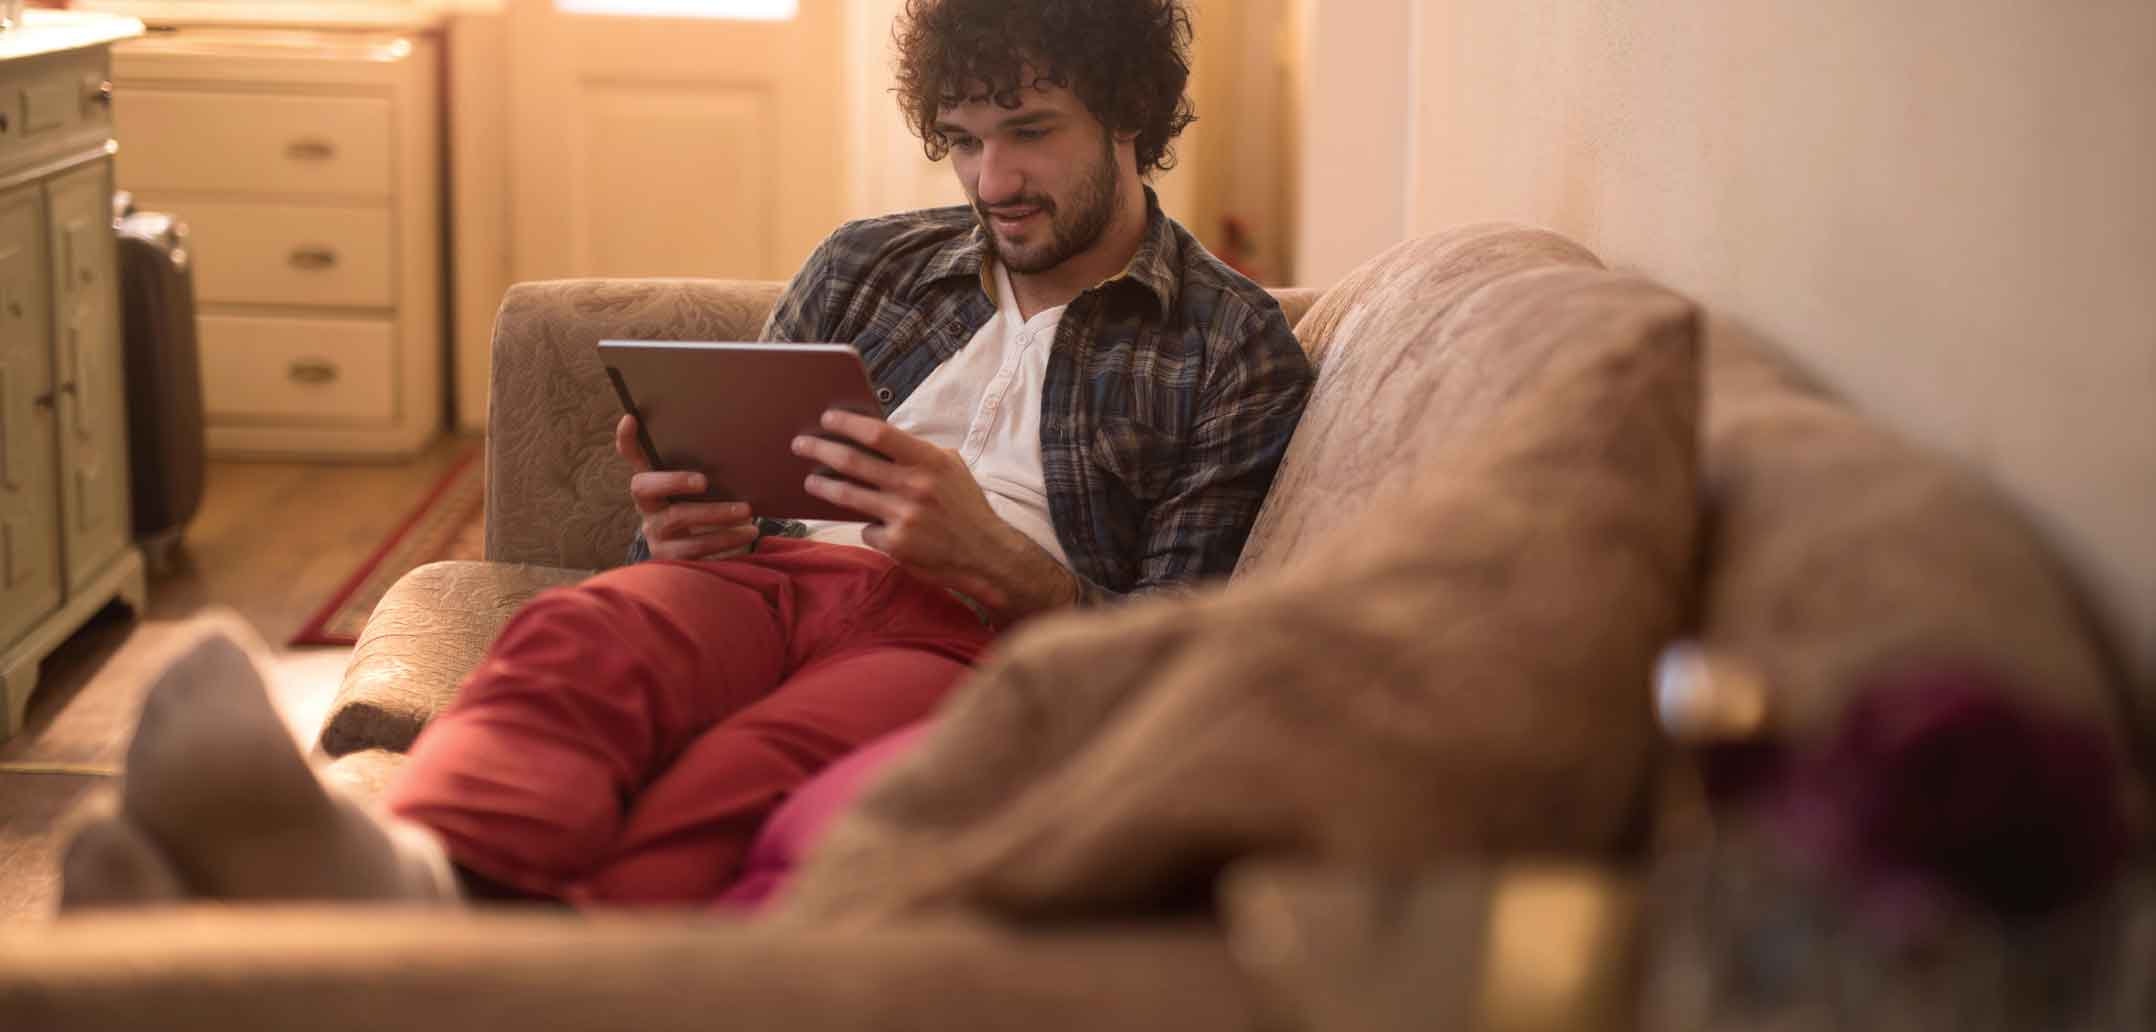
pixel 308 168
pixel 66 547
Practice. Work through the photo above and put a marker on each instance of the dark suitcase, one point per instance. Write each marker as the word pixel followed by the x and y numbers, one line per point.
pixel 164 379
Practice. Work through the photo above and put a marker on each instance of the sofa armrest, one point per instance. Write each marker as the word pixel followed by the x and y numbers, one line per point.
pixel 430 629
pixel 557 495
pixel 330 969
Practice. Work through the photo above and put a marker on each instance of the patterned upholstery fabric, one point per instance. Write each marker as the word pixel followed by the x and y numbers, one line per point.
pixel 430 630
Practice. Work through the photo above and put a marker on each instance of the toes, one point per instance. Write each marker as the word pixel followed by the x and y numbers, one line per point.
pixel 218 657
pixel 109 862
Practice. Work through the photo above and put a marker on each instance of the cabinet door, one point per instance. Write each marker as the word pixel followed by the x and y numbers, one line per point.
pixel 95 521
pixel 29 493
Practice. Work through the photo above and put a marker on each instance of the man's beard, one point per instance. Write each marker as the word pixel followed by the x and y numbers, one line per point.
pixel 1070 233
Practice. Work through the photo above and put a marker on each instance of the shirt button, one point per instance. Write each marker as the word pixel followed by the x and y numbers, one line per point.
pixel 885 394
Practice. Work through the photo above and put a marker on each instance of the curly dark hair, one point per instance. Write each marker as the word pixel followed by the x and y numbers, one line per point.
pixel 1128 61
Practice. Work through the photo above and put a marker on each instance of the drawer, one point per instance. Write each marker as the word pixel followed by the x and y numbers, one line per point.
pixel 51 100
pixel 204 141
pixel 315 371
pixel 288 254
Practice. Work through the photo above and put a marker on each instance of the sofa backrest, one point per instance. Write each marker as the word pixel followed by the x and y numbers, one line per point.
pixel 1408 367
pixel 557 495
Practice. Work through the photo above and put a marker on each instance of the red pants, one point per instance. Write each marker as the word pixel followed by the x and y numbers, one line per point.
pixel 625 738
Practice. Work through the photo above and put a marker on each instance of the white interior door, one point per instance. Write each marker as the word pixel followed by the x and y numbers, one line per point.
pixel 649 142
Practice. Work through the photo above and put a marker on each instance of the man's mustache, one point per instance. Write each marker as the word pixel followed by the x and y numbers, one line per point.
pixel 984 209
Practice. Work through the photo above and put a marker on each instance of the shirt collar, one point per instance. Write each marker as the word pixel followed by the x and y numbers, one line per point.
pixel 1153 268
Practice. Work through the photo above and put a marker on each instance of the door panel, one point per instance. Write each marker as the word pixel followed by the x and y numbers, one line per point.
pixel 673 146
pixel 29 498
pixel 93 445
pixel 637 199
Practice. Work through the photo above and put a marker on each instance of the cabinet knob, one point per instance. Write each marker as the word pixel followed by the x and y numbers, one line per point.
pixel 310 150
pixel 99 92
pixel 312 371
pixel 314 258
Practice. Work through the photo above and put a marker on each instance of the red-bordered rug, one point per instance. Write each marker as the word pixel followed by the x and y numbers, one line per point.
pixel 448 525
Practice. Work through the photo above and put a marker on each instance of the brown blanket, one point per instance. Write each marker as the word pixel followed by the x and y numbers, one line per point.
pixel 1461 670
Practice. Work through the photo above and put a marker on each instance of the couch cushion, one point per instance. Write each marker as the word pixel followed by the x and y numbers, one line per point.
pixel 1295 304
pixel 793 829
pixel 1460 669
pixel 1409 364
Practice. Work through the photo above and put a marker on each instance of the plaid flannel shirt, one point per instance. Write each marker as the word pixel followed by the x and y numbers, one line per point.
pixel 1172 389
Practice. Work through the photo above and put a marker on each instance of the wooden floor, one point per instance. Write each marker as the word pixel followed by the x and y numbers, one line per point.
pixel 272 541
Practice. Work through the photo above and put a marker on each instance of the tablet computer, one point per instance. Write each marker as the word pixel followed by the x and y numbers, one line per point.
pixel 731 412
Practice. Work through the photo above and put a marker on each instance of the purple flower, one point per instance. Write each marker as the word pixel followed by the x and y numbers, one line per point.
pixel 1940 787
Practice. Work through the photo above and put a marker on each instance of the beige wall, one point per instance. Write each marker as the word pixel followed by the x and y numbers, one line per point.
pixel 887 169
pixel 1945 207
pixel 1358 77
pixel 478 131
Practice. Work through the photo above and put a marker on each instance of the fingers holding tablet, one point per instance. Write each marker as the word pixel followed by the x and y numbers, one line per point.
pixel 629 444
pixel 843 460
pixel 680 529
pixel 699 530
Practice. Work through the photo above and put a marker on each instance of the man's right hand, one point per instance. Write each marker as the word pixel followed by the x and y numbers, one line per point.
pixel 681 530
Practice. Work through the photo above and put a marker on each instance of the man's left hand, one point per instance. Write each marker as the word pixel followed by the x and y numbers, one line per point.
pixel 930 515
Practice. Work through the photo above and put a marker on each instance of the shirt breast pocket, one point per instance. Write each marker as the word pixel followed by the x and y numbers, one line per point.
pixel 1143 458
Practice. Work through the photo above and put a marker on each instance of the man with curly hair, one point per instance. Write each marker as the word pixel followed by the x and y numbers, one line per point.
pixel 1081 405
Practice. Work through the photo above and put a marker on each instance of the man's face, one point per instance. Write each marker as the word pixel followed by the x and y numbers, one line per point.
pixel 1044 178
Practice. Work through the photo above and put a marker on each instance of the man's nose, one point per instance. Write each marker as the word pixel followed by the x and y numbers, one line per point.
pixel 1001 181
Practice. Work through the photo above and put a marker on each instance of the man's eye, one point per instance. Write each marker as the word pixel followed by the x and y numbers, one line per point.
pixel 1031 135
pixel 965 144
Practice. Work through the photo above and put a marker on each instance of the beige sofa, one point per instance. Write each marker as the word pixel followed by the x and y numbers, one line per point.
pixel 1825 546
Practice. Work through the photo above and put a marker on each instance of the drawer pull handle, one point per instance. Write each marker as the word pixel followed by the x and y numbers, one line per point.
pixel 312 371
pixel 314 258
pixel 310 150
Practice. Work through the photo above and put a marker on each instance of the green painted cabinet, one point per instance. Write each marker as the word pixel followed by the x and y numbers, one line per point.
pixel 30 559
pixel 66 546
